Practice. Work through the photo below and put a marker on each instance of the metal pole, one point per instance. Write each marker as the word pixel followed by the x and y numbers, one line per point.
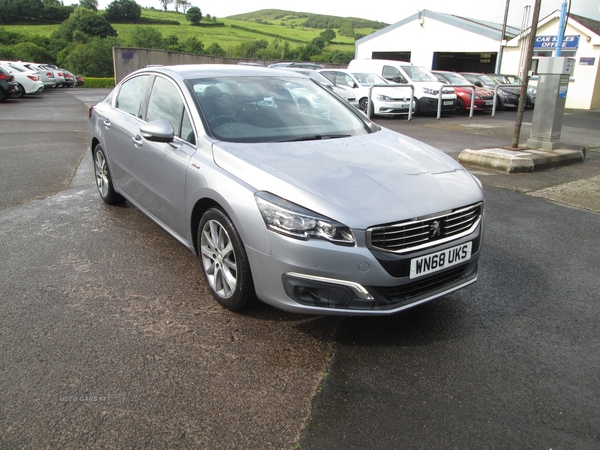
pixel 561 29
pixel 502 39
pixel 525 81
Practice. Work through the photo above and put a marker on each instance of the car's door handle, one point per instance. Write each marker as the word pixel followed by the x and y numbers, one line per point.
pixel 106 123
pixel 138 140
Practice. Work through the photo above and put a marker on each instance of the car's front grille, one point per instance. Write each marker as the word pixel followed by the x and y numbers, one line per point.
pixel 426 231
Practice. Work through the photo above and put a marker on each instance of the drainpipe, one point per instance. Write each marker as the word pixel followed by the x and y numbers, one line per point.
pixel 502 39
pixel 561 29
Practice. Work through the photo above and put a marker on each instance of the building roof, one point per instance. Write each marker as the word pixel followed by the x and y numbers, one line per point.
pixel 592 24
pixel 490 30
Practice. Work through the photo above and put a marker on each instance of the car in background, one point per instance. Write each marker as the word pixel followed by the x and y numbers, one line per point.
pixel 385 101
pixel 7 84
pixel 311 214
pixel 27 81
pixel 514 79
pixel 318 77
pixel 297 65
pixel 484 98
pixel 46 75
pixel 79 80
pixel 507 97
pixel 427 88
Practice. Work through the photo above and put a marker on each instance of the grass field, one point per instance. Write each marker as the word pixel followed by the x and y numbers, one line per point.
pixel 226 36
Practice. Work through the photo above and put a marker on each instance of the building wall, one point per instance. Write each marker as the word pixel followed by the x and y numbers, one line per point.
pixel 423 41
pixel 129 59
pixel 584 88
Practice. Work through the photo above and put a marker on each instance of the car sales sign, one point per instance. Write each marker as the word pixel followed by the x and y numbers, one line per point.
pixel 549 42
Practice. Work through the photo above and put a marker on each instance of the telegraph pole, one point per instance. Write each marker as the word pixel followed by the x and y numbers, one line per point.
pixel 525 81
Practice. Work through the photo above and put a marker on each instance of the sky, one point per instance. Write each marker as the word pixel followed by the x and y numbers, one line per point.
pixel 390 11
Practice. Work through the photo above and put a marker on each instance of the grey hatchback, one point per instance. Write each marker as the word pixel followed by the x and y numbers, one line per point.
pixel 323 213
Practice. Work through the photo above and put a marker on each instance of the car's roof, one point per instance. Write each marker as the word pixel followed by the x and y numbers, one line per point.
pixel 215 70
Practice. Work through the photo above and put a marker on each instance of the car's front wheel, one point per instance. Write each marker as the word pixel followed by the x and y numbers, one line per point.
pixel 19 91
pixel 103 178
pixel 224 261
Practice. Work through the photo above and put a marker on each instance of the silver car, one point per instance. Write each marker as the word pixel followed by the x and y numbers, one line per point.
pixel 322 214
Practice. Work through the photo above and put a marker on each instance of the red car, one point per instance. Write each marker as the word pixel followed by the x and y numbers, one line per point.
pixel 484 98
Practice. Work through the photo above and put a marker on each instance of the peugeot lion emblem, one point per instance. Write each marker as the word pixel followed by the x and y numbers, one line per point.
pixel 435 229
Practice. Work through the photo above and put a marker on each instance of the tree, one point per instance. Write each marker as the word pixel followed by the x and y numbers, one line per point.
pixel 123 11
pixel 215 50
pixel 89 4
pixel 86 20
pixel 183 4
pixel 328 35
pixel 146 37
pixel 194 15
pixel 192 45
pixel 165 3
pixel 91 58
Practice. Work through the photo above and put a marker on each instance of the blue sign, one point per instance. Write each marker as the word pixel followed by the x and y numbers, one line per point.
pixel 549 42
pixel 587 61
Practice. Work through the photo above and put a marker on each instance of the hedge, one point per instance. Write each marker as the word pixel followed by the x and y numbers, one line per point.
pixel 99 82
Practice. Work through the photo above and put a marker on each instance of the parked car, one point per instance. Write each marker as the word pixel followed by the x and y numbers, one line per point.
pixel 427 86
pixel 46 75
pixel 58 75
pixel 311 214
pixel 315 75
pixel 70 80
pixel 297 65
pixel 386 101
pixel 514 79
pixel 484 98
pixel 7 84
pixel 27 81
pixel 507 97
pixel 79 80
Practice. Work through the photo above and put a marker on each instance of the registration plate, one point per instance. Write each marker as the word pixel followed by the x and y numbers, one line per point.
pixel 440 260
pixel 449 102
pixel 489 102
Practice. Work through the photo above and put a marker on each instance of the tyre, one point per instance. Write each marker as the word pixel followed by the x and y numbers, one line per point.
pixel 103 178
pixel 417 108
pixel 2 96
pixel 19 91
pixel 224 261
pixel 460 106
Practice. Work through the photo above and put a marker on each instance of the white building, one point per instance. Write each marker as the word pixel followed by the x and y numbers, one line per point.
pixel 581 42
pixel 446 42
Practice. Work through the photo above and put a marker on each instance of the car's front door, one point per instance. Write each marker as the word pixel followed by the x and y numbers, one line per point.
pixel 161 167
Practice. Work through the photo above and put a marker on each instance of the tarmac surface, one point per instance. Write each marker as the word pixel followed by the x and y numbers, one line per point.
pixel 110 339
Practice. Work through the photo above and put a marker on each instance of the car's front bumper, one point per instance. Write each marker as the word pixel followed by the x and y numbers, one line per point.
pixel 317 277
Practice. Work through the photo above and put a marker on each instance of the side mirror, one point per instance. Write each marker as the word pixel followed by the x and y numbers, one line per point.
pixel 478 83
pixel 159 130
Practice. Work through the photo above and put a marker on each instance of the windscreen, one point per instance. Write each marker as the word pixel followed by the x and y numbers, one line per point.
pixel 274 109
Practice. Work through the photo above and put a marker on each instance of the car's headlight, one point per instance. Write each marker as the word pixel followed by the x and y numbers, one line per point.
pixel 384 98
pixel 430 91
pixel 292 220
pixel 532 90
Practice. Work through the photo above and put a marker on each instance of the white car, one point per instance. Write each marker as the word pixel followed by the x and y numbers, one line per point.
pixel 46 74
pixel 28 82
pixel 386 101
pixel 339 90
pixel 427 86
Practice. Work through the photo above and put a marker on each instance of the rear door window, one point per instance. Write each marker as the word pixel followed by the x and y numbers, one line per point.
pixel 130 96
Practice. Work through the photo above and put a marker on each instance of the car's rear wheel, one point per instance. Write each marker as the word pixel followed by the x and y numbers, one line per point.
pixel 103 178
pixel 224 261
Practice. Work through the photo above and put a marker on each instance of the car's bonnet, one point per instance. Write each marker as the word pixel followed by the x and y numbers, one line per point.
pixel 361 181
